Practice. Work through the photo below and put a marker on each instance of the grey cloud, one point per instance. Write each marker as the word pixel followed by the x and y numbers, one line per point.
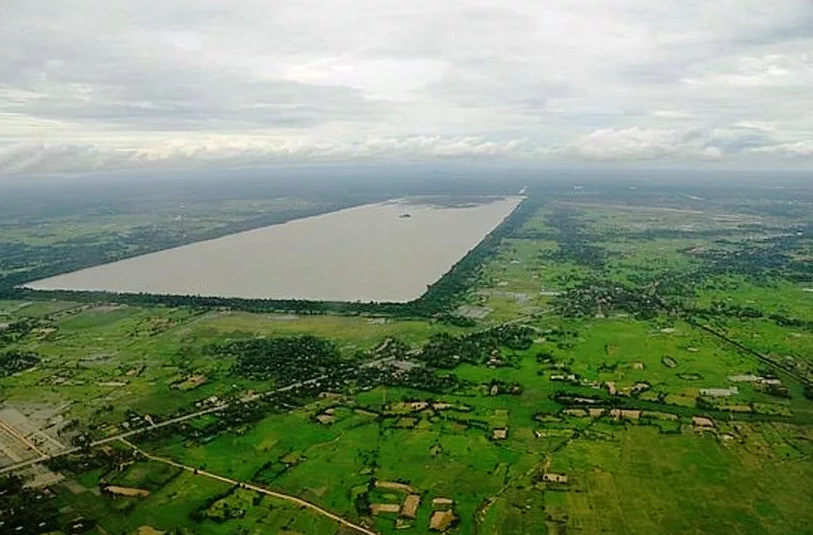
pixel 743 137
pixel 448 32
pixel 693 32
pixel 37 158
pixel 185 100
pixel 146 83
pixel 489 52
pixel 799 149
pixel 83 80
pixel 645 144
pixel 512 85
pixel 61 158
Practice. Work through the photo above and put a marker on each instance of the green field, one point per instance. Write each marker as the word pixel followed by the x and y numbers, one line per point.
pixel 665 387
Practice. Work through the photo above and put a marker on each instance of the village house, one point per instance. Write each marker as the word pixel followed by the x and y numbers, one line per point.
pixel 702 422
pixel 554 478
pixel 441 520
pixel 410 507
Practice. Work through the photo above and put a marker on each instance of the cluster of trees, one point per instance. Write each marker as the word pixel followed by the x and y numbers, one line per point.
pixel 283 359
pixel 576 244
pixel 19 329
pixel 651 234
pixel 510 335
pixel 595 296
pixel 201 513
pixel 424 379
pixel 26 511
pixel 15 360
pixel 787 321
pixel 418 378
pixel 762 261
pixel 722 309
pixel 495 387
pixel 271 470
pixel 444 350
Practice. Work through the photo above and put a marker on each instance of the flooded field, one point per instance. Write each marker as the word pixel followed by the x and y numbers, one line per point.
pixel 380 252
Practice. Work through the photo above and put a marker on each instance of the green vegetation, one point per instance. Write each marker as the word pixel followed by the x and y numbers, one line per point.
pixel 305 355
pixel 609 361
pixel 29 508
pixel 447 351
pixel 15 361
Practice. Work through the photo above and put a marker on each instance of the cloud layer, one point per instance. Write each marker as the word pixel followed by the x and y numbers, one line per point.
pixel 92 85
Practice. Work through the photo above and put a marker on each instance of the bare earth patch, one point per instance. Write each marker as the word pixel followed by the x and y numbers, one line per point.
pixel 403 487
pixel 127 491
pixel 378 508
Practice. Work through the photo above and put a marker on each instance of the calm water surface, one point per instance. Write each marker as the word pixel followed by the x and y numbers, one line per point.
pixel 366 253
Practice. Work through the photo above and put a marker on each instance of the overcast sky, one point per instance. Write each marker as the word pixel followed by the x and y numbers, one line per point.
pixel 118 84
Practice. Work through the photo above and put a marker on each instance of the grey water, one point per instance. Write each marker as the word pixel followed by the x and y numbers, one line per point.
pixel 385 252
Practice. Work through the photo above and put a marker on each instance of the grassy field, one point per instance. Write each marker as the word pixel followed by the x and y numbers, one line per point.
pixel 637 480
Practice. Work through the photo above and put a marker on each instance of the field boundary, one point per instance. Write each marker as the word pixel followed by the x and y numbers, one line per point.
pixel 274 494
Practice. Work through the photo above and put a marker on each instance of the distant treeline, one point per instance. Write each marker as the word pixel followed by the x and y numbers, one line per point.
pixel 438 301
pixel 292 306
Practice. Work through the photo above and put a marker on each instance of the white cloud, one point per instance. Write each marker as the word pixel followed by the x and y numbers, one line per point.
pixel 768 70
pixel 672 114
pixel 755 125
pixel 230 152
pixel 799 149
pixel 644 144
pixel 90 85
